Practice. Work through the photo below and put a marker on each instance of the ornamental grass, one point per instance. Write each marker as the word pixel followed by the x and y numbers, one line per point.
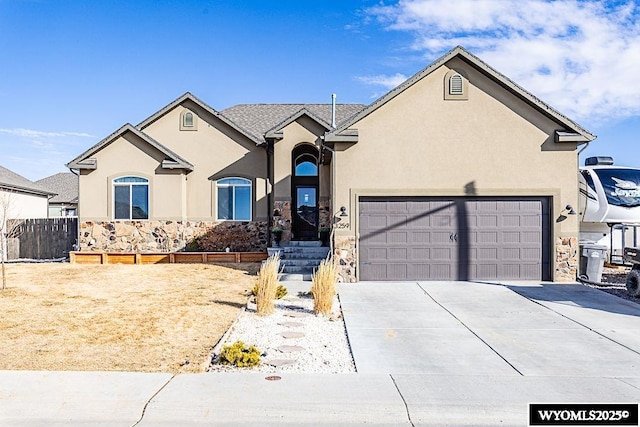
pixel 267 286
pixel 323 286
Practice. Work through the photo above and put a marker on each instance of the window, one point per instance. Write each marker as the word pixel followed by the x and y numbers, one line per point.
pixel 455 86
pixel 234 199
pixel 131 198
pixel 306 168
pixel 188 120
pixel 621 186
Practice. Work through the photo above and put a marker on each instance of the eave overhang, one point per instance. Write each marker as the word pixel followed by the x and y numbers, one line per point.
pixel 563 136
pixel 87 162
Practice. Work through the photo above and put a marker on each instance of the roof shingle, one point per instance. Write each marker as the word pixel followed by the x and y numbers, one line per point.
pixel 260 118
pixel 12 181
pixel 64 184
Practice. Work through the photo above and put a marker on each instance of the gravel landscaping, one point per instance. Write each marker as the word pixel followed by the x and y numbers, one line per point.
pixel 614 282
pixel 292 339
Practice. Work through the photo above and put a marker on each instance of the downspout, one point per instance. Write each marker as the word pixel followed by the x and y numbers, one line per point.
pixel 582 149
pixel 77 245
pixel 333 195
pixel 333 176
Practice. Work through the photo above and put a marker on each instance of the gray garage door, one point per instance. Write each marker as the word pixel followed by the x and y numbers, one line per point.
pixel 454 238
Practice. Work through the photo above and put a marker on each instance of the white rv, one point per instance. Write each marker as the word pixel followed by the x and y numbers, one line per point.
pixel 609 206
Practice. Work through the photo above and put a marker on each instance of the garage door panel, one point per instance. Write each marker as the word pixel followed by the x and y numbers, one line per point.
pixel 441 221
pixel 511 221
pixel 395 237
pixel 438 237
pixel 442 254
pixel 511 254
pixel 375 222
pixel 398 254
pixel 530 237
pixel 420 237
pixel 533 221
pixel 424 238
pixel 439 272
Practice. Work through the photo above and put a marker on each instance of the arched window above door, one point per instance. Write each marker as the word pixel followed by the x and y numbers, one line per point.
pixel 306 166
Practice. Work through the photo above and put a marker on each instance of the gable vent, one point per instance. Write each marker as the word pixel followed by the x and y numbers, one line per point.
pixel 455 85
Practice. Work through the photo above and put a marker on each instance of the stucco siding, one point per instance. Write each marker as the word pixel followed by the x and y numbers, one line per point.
pixel 129 156
pixel 296 133
pixel 216 151
pixel 418 143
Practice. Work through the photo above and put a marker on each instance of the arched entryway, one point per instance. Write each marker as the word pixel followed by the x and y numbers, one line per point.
pixel 304 192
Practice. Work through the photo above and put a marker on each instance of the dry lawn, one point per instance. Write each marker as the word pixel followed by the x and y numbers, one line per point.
pixel 146 318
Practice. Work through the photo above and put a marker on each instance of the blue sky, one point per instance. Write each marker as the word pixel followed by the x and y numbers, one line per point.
pixel 72 72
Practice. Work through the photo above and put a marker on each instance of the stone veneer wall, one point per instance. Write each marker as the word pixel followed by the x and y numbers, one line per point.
pixel 324 214
pixel 282 218
pixel 567 257
pixel 156 236
pixel 345 253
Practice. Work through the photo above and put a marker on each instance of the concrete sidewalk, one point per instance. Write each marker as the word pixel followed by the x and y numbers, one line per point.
pixel 427 353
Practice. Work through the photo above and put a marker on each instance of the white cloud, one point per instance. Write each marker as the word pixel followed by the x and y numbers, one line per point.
pixel 29 133
pixel 580 57
pixel 388 82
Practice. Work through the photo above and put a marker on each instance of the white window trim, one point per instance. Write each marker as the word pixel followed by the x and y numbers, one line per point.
pixel 115 184
pixel 249 184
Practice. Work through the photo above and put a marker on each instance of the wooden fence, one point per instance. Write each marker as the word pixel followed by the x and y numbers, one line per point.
pixel 164 257
pixel 46 238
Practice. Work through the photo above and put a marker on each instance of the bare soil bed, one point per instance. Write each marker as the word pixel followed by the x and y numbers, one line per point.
pixel 145 318
pixel 614 279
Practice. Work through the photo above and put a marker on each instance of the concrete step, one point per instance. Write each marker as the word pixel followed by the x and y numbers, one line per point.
pixel 319 251
pixel 293 277
pixel 304 243
pixel 288 269
pixel 311 257
pixel 300 262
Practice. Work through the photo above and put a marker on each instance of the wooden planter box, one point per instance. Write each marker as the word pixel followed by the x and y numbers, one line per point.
pixel 164 257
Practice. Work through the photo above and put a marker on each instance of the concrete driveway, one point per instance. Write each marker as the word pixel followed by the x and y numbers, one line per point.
pixel 470 353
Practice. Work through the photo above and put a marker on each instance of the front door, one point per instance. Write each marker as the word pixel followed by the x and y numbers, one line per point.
pixel 305 220
pixel 304 193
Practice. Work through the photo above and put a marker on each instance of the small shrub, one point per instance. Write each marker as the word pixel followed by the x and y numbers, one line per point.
pixel 281 291
pixel 323 287
pixel 267 285
pixel 239 355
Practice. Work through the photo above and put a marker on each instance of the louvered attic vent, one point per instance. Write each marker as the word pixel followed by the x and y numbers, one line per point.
pixel 455 85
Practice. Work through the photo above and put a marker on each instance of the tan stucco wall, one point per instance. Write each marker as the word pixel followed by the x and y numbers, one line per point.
pixel 125 156
pixel 491 144
pixel 216 151
pixel 302 131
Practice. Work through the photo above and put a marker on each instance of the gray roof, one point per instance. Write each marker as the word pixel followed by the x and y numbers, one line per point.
pixel 64 184
pixel 258 119
pixel 580 134
pixel 12 181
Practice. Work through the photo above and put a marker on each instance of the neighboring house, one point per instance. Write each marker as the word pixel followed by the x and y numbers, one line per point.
pixel 456 174
pixel 21 197
pixel 65 186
